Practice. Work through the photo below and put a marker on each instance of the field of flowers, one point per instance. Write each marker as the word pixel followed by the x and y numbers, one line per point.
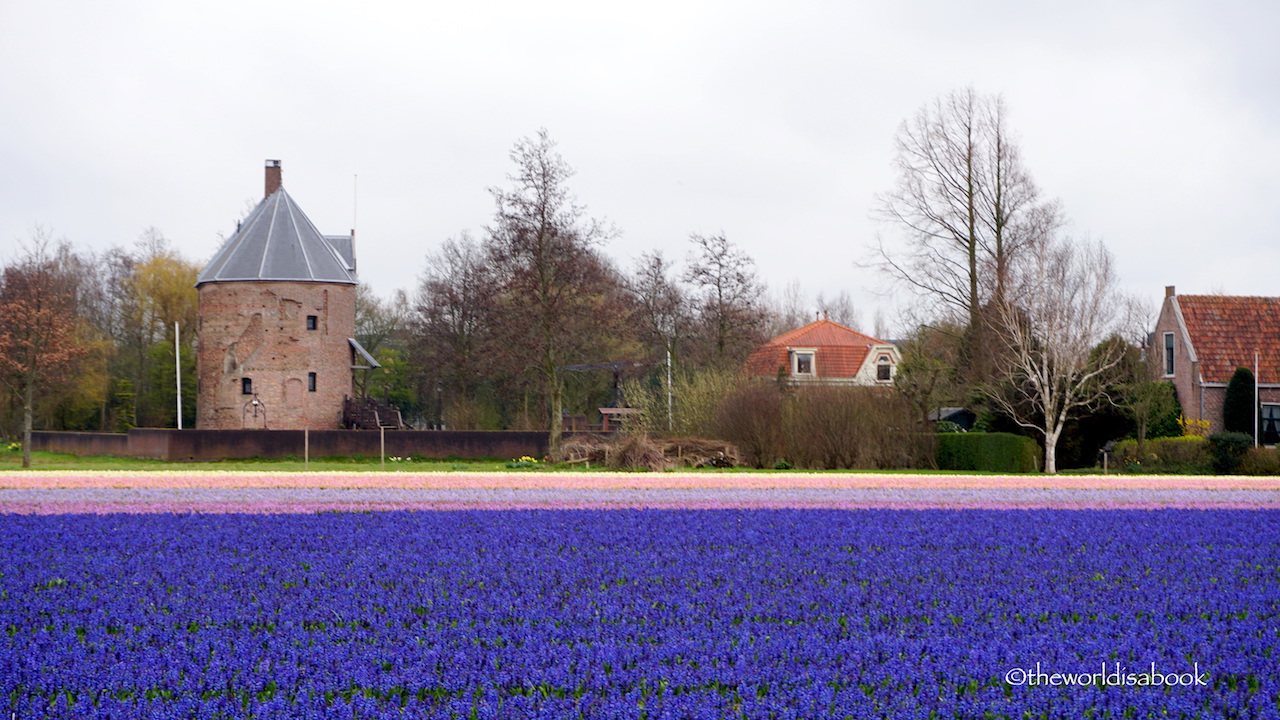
pixel 640 614
pixel 284 492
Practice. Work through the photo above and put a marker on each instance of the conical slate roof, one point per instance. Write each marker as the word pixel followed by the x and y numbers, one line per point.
pixel 277 242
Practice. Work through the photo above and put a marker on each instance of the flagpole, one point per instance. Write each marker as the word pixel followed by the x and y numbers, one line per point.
pixel 177 363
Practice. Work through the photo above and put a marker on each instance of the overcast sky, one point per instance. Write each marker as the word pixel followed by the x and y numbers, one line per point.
pixel 1156 124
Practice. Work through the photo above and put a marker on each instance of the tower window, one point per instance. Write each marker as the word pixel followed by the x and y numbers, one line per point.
pixel 311 382
pixel 246 386
pixel 311 322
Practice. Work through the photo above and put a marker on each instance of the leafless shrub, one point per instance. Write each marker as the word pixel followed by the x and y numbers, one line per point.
pixel 824 427
pixel 851 427
pixel 751 417
pixel 463 413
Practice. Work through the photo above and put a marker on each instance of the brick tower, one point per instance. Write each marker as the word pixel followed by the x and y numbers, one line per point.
pixel 276 322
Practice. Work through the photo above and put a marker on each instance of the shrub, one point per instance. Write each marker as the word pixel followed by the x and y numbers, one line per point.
pixel 991 452
pixel 751 418
pixel 696 396
pixel 1193 428
pixel 831 427
pixel 1227 449
pixel 1260 461
pixel 465 413
pixel 1186 455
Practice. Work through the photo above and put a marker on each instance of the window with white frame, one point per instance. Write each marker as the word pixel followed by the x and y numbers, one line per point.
pixel 1168 354
pixel 802 362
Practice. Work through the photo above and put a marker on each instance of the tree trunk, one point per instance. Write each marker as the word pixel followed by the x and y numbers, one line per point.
pixel 1051 451
pixel 28 397
pixel 555 408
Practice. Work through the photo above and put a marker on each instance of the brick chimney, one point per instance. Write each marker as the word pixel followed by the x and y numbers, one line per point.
pixel 273 177
pixel 1169 291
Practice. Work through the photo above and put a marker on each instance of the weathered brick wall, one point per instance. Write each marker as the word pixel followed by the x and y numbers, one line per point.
pixel 81 443
pixel 1186 376
pixel 258 330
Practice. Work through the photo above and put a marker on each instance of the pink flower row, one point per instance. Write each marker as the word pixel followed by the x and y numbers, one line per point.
pixel 464 480
pixel 273 508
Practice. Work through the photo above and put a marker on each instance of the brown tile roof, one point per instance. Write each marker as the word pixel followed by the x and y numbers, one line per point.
pixel 840 350
pixel 1225 330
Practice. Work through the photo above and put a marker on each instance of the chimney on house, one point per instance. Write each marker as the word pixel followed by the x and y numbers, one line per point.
pixel 273 177
pixel 1169 291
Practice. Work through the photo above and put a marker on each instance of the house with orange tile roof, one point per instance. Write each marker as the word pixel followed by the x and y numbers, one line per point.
pixel 1202 339
pixel 826 352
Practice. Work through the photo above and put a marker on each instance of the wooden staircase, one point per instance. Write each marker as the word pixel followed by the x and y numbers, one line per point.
pixel 367 413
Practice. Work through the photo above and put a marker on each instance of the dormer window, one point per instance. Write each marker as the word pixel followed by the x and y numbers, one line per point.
pixel 884 371
pixel 802 363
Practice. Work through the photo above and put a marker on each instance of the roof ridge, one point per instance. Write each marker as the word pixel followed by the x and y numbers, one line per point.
pixel 790 335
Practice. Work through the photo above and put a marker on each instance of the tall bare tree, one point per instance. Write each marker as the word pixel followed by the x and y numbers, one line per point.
pixel 1057 363
pixel 552 281
pixel 965 203
pixel 730 300
pixel 453 325
pixel 660 305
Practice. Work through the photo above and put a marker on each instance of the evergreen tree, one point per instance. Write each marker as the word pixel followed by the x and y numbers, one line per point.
pixel 1238 406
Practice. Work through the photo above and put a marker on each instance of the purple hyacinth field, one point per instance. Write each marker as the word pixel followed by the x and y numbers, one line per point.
pixel 642 614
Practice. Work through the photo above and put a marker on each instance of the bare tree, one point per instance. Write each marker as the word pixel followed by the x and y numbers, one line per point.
pixel 660 305
pixel 965 202
pixel 1057 362
pixel 788 309
pixel 452 323
pixel 542 246
pixel 839 308
pixel 793 308
pixel 730 306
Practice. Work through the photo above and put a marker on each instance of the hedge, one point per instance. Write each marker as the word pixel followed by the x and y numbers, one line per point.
pixel 988 452
pixel 1185 455
pixel 1228 448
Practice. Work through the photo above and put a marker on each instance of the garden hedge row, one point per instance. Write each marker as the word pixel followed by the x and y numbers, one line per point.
pixel 1221 453
pixel 990 452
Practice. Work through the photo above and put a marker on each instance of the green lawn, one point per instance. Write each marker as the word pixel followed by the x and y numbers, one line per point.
pixel 12 460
